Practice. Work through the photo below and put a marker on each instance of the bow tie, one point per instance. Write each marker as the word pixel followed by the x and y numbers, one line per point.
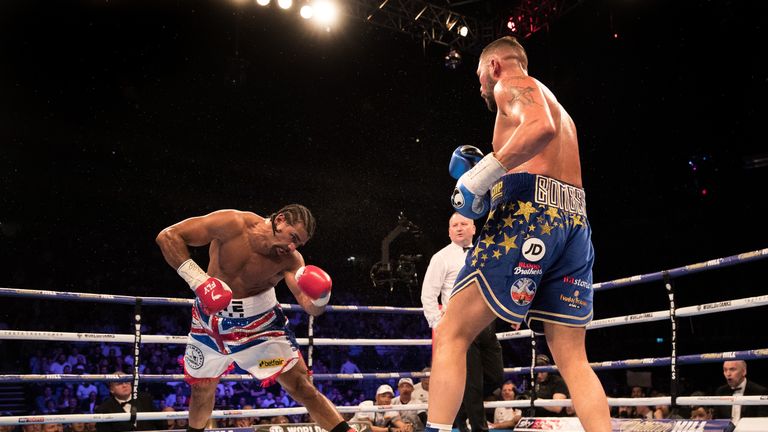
pixel 737 389
pixel 122 404
pixel 466 248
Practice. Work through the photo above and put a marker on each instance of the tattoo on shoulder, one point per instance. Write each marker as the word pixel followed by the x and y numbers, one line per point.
pixel 521 95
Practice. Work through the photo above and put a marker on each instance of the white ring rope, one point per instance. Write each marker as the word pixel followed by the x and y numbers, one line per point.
pixel 721 306
pixel 610 364
pixel 271 412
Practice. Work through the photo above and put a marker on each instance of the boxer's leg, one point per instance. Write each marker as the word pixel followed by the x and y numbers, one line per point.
pixel 201 402
pixel 467 315
pixel 296 382
pixel 570 355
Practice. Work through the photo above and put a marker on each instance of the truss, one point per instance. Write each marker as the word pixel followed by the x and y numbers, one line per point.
pixel 420 19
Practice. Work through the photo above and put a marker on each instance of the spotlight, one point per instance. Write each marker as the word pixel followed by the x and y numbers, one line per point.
pixel 452 59
pixel 307 12
pixel 285 4
pixel 463 31
pixel 326 12
pixel 511 25
pixel 262 2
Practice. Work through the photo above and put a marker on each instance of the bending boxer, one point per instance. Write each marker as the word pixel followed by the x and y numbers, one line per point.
pixel 236 316
pixel 534 256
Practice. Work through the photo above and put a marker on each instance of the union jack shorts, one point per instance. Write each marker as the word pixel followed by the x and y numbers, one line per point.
pixel 262 344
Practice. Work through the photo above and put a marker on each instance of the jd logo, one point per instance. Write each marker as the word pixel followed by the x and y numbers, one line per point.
pixel 457 199
pixel 533 249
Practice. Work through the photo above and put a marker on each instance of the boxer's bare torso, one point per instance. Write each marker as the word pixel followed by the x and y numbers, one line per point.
pixel 244 252
pixel 559 157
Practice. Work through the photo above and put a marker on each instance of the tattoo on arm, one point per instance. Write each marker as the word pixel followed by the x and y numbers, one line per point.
pixel 522 96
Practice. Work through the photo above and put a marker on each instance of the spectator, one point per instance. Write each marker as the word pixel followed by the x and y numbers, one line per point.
pixel 41 402
pixel 89 405
pixel 170 424
pixel 702 413
pixel 177 399
pixel 387 421
pixel 417 418
pixel 421 389
pixel 85 389
pixel 57 367
pixel 506 417
pixel 281 419
pixel 549 386
pixel 269 400
pixel 120 401
pixel 349 367
pixel 246 421
pixel 735 372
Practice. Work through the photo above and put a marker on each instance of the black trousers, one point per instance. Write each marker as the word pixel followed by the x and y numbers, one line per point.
pixel 485 373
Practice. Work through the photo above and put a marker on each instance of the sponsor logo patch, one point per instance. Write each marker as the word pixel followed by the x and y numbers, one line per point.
pixel 581 283
pixel 263 364
pixel 524 268
pixel 497 190
pixel 573 301
pixel 193 357
pixel 522 291
pixel 534 249
pixel 457 199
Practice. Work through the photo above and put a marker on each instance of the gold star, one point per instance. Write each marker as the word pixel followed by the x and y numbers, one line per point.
pixel 474 262
pixel 491 213
pixel 577 220
pixel 488 240
pixel 540 219
pixel 553 213
pixel 546 229
pixel 496 254
pixel 475 251
pixel 509 243
pixel 484 257
pixel 531 227
pixel 508 221
pixel 482 264
pixel 526 209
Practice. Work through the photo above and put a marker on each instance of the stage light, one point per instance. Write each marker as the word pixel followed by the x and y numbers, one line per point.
pixel 263 2
pixel 307 11
pixel 511 25
pixel 463 31
pixel 452 59
pixel 285 4
pixel 326 12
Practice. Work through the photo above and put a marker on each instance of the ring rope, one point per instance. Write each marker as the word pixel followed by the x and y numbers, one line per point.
pixel 756 354
pixel 685 270
pixel 171 301
pixel 270 412
pixel 721 306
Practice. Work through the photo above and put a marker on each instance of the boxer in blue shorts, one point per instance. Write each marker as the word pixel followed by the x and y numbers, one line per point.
pixel 533 258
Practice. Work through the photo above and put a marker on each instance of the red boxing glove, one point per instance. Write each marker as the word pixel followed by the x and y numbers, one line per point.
pixel 315 283
pixel 214 295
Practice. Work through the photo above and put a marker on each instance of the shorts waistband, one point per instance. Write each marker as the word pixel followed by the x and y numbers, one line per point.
pixel 250 306
pixel 541 190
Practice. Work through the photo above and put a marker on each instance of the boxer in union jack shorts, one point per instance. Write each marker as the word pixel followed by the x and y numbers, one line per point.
pixel 236 317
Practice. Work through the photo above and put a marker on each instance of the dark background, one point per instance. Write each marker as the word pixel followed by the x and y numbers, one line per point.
pixel 119 118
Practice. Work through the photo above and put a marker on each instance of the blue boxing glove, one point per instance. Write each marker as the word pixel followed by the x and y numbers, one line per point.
pixel 471 196
pixel 463 159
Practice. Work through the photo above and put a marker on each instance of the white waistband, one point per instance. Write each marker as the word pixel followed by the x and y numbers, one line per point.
pixel 250 306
